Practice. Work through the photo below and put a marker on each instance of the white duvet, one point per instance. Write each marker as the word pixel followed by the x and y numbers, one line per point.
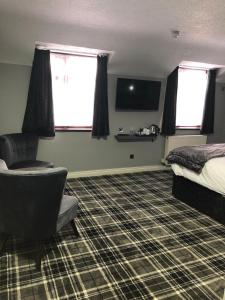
pixel 212 175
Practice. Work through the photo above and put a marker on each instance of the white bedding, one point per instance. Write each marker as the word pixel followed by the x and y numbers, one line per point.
pixel 212 175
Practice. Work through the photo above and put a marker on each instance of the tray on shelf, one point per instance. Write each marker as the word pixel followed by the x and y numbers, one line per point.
pixel 135 138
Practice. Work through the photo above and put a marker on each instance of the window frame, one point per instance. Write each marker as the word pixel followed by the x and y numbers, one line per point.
pixel 197 127
pixel 73 128
pixel 190 127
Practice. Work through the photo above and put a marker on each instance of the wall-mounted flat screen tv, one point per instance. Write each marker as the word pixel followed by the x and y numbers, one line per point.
pixel 133 94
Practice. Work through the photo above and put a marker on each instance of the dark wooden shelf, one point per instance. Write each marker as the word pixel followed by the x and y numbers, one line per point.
pixel 135 138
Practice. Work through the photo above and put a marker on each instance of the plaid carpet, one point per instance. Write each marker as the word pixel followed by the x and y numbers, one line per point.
pixel 137 242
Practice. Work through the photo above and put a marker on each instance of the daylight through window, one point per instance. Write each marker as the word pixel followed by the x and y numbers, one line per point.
pixel 73 86
pixel 192 85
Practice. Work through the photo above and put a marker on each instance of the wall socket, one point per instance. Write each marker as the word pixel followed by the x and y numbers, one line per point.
pixel 131 156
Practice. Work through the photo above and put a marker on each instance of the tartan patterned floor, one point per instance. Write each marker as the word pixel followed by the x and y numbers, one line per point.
pixel 137 242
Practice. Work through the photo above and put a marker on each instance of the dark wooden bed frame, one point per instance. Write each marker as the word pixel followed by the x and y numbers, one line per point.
pixel 199 197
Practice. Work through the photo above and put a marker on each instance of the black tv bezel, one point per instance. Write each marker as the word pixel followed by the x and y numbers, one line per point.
pixel 135 109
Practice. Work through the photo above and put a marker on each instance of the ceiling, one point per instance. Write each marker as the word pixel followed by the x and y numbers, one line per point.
pixel 137 31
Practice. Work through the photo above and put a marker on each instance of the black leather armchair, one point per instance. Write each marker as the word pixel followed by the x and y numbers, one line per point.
pixel 19 151
pixel 32 205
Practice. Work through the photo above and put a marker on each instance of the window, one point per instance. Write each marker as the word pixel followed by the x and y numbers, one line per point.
pixel 73 87
pixel 192 84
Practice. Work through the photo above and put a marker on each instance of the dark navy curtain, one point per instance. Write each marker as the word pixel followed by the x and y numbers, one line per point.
pixel 101 115
pixel 39 114
pixel 169 112
pixel 208 115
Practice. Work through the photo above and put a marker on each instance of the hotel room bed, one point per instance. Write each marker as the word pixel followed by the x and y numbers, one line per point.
pixel 203 189
pixel 212 175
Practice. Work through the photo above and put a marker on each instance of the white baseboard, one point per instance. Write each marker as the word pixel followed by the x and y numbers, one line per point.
pixel 115 171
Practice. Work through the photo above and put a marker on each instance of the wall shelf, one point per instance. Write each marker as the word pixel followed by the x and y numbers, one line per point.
pixel 135 138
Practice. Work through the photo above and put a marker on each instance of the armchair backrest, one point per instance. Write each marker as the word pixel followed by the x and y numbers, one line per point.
pixel 18 147
pixel 30 202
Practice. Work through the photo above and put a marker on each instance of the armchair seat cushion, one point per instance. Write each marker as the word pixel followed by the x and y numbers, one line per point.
pixel 31 165
pixel 68 210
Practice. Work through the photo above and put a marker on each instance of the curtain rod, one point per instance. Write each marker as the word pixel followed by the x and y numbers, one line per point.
pixel 194 68
pixel 68 52
pixel 72 53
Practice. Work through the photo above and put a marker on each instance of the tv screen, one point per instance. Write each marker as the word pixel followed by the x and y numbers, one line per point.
pixel 133 94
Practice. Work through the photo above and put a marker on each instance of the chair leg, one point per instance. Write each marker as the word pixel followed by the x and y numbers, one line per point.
pixel 39 254
pixel 74 228
pixel 3 239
